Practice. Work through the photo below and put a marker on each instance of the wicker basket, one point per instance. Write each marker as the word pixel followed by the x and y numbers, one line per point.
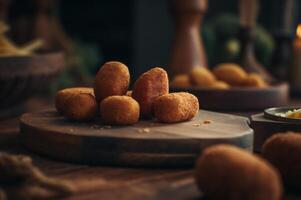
pixel 21 77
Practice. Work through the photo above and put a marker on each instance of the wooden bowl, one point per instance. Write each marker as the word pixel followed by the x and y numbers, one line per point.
pixel 267 124
pixel 240 98
pixel 271 113
pixel 23 76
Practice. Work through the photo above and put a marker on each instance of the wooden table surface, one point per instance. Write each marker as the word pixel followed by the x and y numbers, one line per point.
pixel 109 183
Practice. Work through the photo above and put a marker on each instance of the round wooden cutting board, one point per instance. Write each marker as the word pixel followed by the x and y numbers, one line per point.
pixel 147 143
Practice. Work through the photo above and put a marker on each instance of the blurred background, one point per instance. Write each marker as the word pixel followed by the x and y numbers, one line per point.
pixel 139 33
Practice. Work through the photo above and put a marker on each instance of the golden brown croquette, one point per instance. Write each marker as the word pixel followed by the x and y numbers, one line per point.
pixel 201 76
pixel 220 85
pixel 113 78
pixel 119 110
pixel 81 107
pixel 229 173
pixel 181 80
pixel 283 150
pixel 62 95
pixel 176 107
pixel 230 73
pixel 148 87
pixel 254 80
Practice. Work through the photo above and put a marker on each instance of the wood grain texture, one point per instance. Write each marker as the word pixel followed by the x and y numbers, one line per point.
pixel 111 183
pixel 147 143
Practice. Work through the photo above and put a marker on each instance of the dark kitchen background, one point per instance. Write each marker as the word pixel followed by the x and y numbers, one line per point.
pixel 139 32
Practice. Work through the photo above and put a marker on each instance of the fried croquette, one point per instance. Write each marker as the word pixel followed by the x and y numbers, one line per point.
pixel 283 150
pixel 220 85
pixel 254 80
pixel 81 107
pixel 176 107
pixel 148 87
pixel 113 78
pixel 119 110
pixel 62 95
pixel 201 76
pixel 230 73
pixel 229 173
pixel 181 80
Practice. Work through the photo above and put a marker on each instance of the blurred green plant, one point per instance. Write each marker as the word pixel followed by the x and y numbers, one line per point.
pixel 220 35
pixel 80 66
pixel 264 45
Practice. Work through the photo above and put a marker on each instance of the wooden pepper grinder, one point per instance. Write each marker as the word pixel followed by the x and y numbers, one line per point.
pixel 187 49
pixel 248 14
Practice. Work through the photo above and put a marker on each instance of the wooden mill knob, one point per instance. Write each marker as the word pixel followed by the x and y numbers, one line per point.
pixel 187 48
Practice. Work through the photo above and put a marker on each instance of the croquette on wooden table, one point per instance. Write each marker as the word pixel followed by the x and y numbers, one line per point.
pixel 76 103
pixel 254 178
pixel 110 183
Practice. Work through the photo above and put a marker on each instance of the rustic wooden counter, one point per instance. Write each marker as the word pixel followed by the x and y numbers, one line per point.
pixel 110 183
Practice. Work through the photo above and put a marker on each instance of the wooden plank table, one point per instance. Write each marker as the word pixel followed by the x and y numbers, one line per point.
pixel 101 182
